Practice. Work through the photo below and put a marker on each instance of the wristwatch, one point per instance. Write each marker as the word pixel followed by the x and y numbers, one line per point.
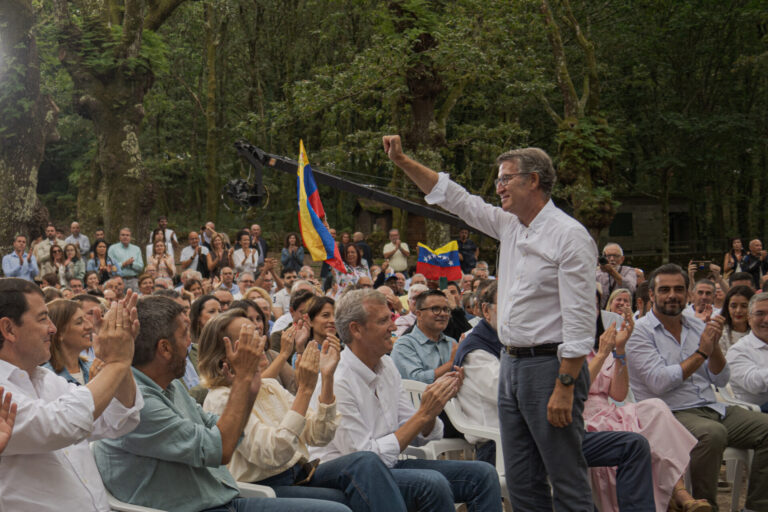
pixel 565 379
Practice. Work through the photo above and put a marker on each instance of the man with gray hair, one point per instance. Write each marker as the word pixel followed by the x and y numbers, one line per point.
pixel 404 322
pixel 546 322
pixel 748 357
pixel 377 414
pixel 612 274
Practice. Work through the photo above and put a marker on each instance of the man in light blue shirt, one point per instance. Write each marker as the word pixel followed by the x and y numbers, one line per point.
pixel 175 458
pixel 18 264
pixel 677 358
pixel 128 258
pixel 426 353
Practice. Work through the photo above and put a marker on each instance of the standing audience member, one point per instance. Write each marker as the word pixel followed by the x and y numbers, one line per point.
pixel 468 251
pixel 74 264
pixel 355 266
pixel 47 464
pixel 168 235
pixel 246 258
pixel 377 414
pixel 614 274
pixel 162 261
pixel 43 249
pixel 55 265
pixel 175 458
pixel 219 256
pixel 545 256
pixel 18 263
pixel 642 300
pixel 755 263
pixel 127 257
pixel 358 238
pixel 292 255
pixel 735 312
pixel 258 242
pixel 79 239
pixel 101 263
pixel 282 299
pixel 397 252
pixel 748 358
pixel 677 358
pixel 196 256
pixel 732 259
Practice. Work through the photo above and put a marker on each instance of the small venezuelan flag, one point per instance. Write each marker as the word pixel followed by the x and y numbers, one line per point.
pixel 443 262
pixel 314 234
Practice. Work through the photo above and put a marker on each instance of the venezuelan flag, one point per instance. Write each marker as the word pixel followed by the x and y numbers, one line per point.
pixel 314 234
pixel 443 262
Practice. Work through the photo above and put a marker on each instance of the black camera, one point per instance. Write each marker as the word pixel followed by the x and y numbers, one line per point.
pixel 602 260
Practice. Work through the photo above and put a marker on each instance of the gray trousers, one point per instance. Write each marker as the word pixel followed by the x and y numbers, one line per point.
pixel 533 448
pixel 741 429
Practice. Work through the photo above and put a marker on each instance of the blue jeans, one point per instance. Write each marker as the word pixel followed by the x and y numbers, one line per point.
pixel 435 485
pixel 359 480
pixel 533 448
pixel 279 505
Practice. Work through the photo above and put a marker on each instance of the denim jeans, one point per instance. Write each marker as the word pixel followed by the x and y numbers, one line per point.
pixel 435 485
pixel 359 480
pixel 534 450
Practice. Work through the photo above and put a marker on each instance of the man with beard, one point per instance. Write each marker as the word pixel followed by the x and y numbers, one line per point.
pixel 677 358
pixel 175 458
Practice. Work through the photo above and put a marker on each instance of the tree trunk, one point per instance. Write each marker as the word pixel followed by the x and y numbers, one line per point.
pixel 666 175
pixel 27 122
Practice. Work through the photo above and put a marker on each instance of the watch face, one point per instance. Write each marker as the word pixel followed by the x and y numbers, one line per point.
pixel 566 379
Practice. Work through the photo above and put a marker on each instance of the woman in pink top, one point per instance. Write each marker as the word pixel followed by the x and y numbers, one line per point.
pixel 670 441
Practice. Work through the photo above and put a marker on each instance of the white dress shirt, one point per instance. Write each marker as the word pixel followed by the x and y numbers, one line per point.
pixel 546 271
pixel 47 464
pixel 373 405
pixel 477 396
pixel 748 359
pixel 245 264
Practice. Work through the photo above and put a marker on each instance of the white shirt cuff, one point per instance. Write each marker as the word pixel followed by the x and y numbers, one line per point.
pixel 576 348
pixel 437 194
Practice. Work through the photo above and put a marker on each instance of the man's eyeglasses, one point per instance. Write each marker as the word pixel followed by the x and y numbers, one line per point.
pixel 436 310
pixel 506 178
pixel 759 314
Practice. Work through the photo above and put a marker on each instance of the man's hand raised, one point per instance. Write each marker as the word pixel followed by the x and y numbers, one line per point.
pixel 393 147
pixel 437 395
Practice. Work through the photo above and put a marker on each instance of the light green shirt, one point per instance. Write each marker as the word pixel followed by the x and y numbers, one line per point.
pixel 172 460
pixel 118 253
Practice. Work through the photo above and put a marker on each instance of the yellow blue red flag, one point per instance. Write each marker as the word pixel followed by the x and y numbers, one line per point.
pixel 443 262
pixel 314 233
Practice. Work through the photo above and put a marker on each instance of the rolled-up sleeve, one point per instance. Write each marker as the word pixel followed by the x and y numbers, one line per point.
pixel 118 420
pixel 473 210
pixel 650 375
pixel 576 288
pixel 322 424
pixel 720 379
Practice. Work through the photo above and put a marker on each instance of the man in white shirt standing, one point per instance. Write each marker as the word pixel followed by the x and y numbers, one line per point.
pixel 397 252
pixel 47 464
pixel 78 239
pixel 377 414
pixel 546 269
pixel 748 357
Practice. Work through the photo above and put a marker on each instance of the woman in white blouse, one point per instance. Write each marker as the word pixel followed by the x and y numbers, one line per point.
pixel 274 450
pixel 735 313
pixel 246 258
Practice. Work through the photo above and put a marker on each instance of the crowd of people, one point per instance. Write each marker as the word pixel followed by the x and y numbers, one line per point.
pixel 168 375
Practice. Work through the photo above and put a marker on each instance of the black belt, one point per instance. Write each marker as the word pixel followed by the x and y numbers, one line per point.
pixel 547 349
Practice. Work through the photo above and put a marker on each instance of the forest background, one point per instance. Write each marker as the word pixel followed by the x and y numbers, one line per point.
pixel 115 111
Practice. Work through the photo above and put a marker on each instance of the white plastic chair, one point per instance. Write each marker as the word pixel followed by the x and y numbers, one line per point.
pixel 433 449
pixel 463 425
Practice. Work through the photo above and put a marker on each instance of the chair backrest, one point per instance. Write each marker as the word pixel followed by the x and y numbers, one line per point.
pixel 414 388
pixel 456 414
